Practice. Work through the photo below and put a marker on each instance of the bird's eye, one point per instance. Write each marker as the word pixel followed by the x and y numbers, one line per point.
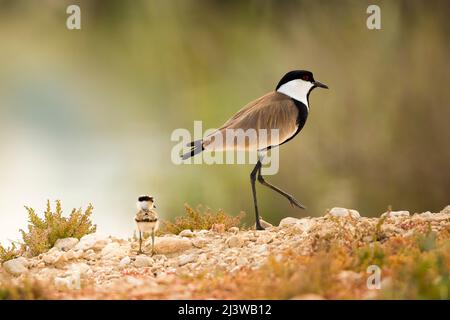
pixel 306 78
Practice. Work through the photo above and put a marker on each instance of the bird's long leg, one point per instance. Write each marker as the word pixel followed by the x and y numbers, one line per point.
pixel 291 199
pixel 140 242
pixel 153 241
pixel 253 180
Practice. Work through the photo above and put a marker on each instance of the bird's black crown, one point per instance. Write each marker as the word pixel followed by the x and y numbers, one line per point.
pixel 145 198
pixel 296 74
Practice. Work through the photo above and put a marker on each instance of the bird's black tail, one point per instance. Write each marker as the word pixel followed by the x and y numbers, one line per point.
pixel 196 148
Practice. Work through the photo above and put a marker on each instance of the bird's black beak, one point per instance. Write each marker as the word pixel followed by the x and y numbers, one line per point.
pixel 320 85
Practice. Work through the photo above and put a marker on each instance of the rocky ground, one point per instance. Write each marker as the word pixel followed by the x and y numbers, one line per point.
pixel 107 267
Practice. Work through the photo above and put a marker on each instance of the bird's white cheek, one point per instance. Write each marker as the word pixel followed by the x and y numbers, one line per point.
pixel 143 205
pixel 297 89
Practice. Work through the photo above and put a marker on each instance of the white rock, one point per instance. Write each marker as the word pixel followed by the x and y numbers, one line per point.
pixel 288 222
pixel 71 282
pixel 427 214
pixel 303 225
pixel 390 230
pixel 54 256
pixel 234 230
pixel 348 276
pixel 296 225
pixel 235 269
pixel 143 261
pixel 395 214
pixel 16 266
pixel 165 278
pixel 89 255
pixel 100 244
pixel 71 254
pixel 264 239
pixel 168 245
pixel 261 249
pixel 113 250
pixel 62 283
pixel 185 259
pixel 27 263
pixel 80 268
pixel 343 212
pixel 241 261
pixel 235 242
pixel 202 257
pixel 134 281
pixel 124 262
pixel 199 242
pixel 66 244
pixel 186 233
pixel 446 210
pixel 89 241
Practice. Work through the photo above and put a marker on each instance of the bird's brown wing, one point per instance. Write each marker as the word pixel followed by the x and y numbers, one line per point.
pixel 273 111
pixel 146 216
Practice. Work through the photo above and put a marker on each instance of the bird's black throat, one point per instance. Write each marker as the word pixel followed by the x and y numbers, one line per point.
pixel 301 118
pixel 302 114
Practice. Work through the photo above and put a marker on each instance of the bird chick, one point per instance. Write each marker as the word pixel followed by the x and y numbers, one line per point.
pixel 146 219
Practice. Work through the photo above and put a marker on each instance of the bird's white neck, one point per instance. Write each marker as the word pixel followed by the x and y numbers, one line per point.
pixel 297 89
pixel 144 205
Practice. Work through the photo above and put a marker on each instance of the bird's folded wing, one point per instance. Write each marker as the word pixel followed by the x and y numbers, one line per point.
pixel 267 121
pixel 146 216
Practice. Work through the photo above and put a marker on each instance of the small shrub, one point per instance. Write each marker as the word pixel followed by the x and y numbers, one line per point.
pixel 369 255
pixel 413 267
pixel 378 234
pixel 43 232
pixel 26 290
pixel 427 241
pixel 200 220
pixel 8 253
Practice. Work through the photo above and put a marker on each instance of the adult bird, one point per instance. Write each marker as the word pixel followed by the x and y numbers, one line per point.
pixel 285 109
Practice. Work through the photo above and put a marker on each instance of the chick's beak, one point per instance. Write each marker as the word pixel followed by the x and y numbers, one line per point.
pixel 320 85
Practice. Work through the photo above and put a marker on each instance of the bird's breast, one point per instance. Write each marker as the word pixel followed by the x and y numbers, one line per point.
pixel 302 116
pixel 147 226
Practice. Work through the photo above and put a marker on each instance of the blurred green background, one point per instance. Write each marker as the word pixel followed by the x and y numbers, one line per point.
pixel 86 115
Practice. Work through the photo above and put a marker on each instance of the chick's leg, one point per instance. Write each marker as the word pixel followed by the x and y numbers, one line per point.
pixel 153 241
pixel 140 242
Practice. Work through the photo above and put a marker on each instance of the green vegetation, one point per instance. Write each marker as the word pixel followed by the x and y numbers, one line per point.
pixel 43 232
pixel 8 253
pixel 26 290
pixel 417 267
pixel 198 219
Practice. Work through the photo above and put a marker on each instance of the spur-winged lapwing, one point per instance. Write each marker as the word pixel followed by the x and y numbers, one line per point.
pixel 285 110
pixel 146 219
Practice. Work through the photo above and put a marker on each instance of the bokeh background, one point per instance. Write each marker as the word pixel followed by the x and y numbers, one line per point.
pixel 86 116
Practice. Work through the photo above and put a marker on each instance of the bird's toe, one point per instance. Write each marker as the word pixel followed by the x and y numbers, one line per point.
pixel 295 203
pixel 259 227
